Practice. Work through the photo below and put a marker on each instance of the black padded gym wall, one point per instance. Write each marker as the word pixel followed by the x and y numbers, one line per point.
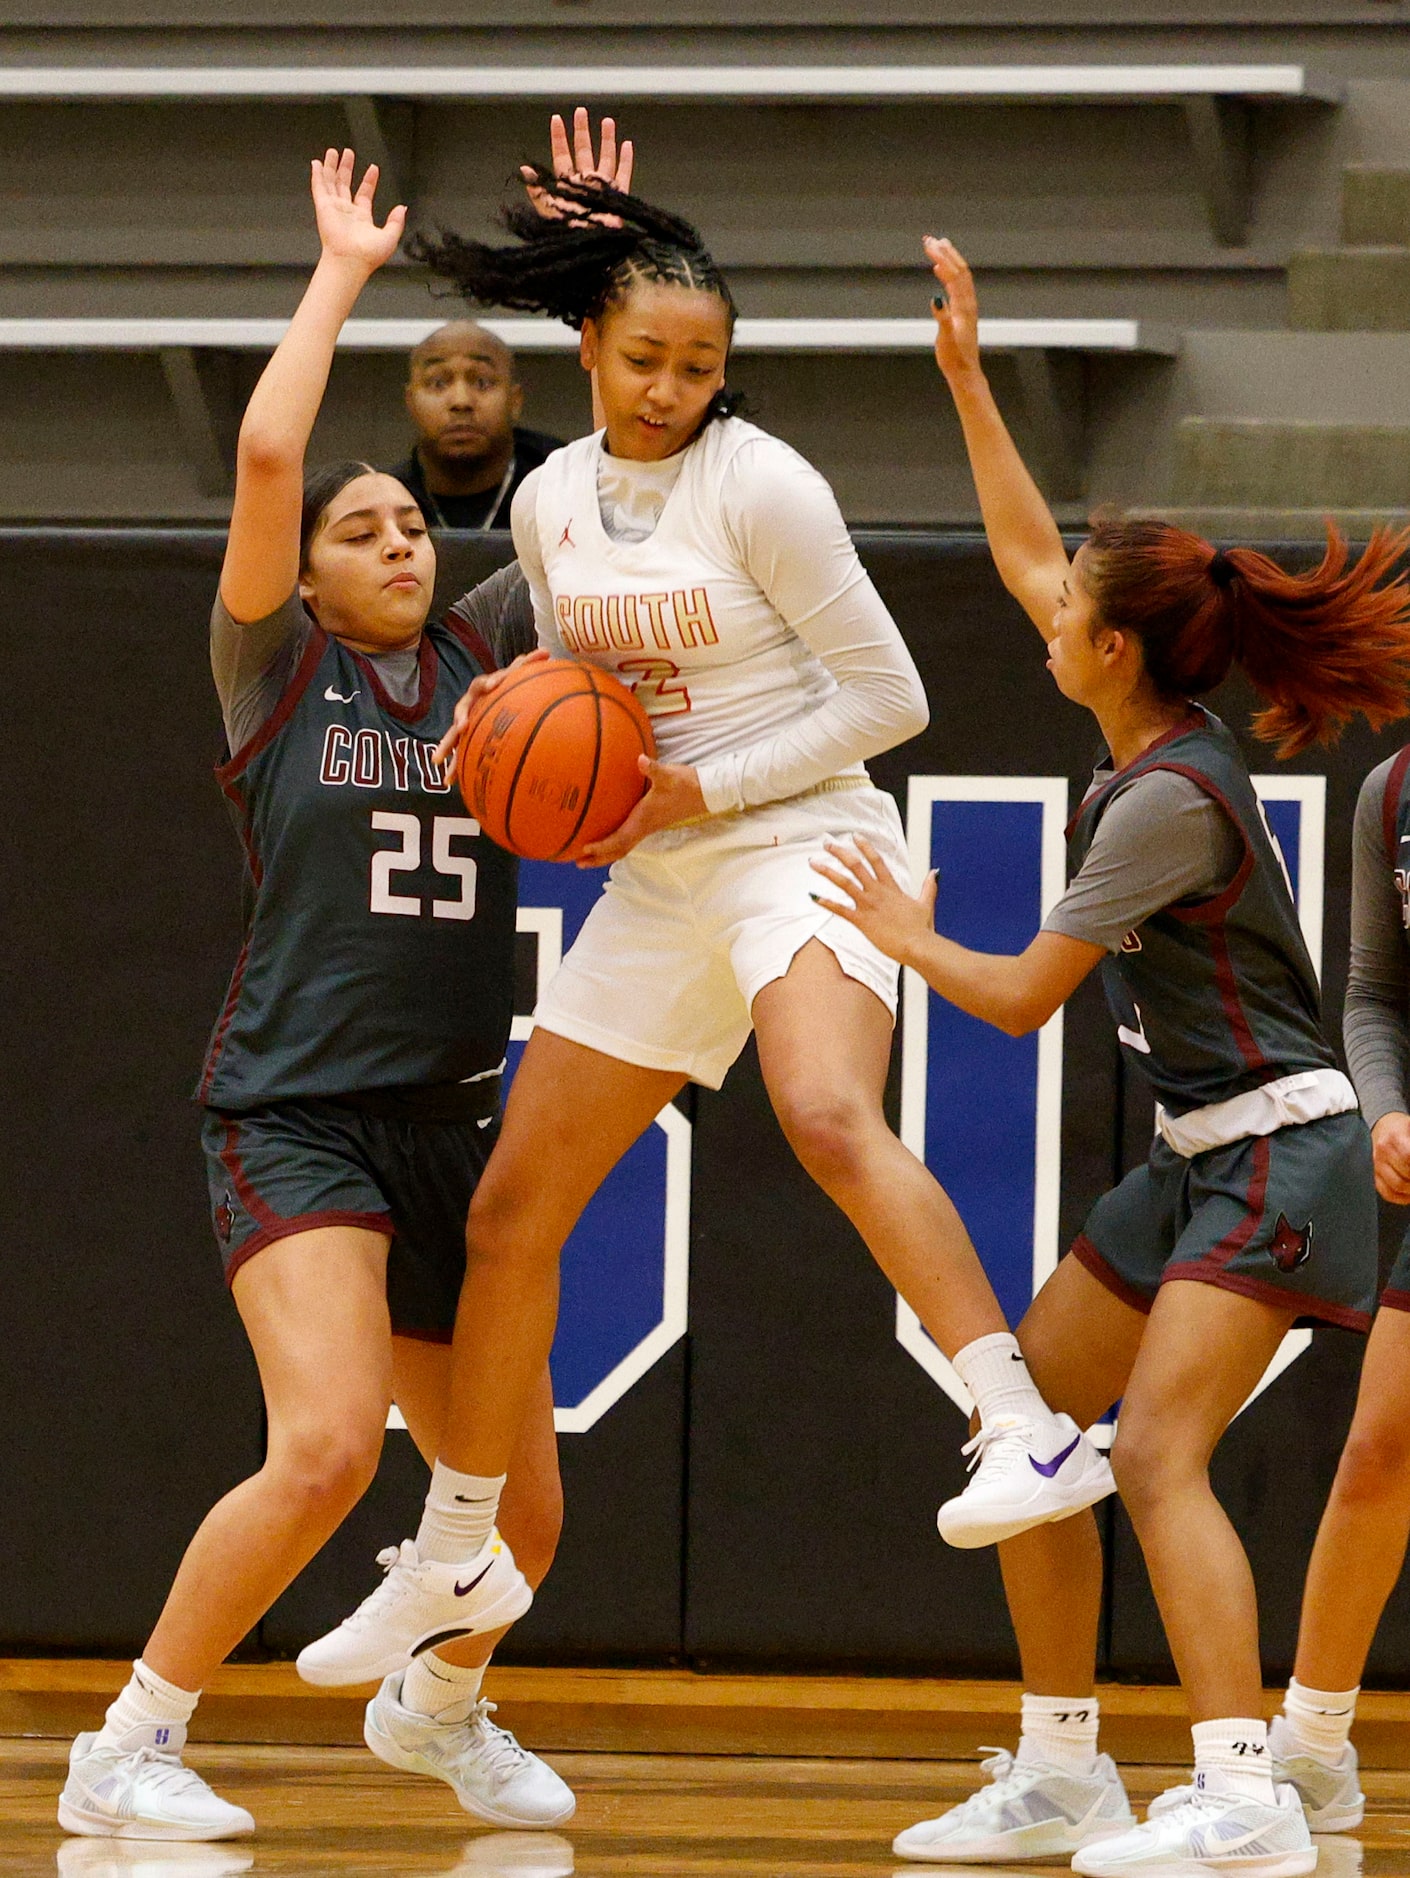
pixel 762 1490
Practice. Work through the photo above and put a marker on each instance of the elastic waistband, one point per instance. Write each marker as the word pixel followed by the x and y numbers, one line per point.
pixel 1308 1096
pixel 831 785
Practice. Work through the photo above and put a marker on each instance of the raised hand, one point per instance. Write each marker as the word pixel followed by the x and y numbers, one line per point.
pixel 956 310
pixel 346 225
pixel 576 161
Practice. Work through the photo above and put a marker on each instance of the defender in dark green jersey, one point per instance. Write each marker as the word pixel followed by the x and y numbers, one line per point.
pixel 351 1086
pixel 1361 1542
pixel 1254 1210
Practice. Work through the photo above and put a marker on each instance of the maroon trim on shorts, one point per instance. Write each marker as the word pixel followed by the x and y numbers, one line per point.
pixel 253 1202
pixel 1343 1315
pixel 1390 804
pixel 227 1014
pixel 282 712
pixel 278 1229
pixel 1088 1257
pixel 1255 1199
pixel 1392 1300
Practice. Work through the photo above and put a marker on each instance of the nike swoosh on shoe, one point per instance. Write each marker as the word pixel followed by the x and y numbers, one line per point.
pixel 1049 1468
pixel 463 1591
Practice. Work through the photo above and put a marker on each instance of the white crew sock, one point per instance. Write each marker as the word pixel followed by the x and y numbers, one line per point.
pixel 1319 1720
pixel 444 1691
pixel 993 1370
pixel 1232 1757
pixel 147 1702
pixel 459 1516
pixel 1061 1731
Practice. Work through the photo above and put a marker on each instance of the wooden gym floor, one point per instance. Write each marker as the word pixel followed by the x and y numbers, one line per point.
pixel 810 1808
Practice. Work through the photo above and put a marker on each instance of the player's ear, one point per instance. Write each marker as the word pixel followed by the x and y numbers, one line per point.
pixel 588 345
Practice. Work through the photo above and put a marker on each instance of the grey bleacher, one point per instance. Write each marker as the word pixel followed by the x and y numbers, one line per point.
pixel 1166 167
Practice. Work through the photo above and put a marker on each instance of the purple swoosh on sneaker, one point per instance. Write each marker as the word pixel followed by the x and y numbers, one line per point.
pixel 1050 1467
pixel 463 1591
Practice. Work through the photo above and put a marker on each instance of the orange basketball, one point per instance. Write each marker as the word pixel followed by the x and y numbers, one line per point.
pixel 548 763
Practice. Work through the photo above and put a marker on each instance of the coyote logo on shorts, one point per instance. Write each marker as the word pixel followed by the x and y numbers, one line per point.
pixel 225 1220
pixel 1290 1245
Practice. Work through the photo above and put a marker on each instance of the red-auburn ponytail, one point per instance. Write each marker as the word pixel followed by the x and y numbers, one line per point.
pixel 1320 647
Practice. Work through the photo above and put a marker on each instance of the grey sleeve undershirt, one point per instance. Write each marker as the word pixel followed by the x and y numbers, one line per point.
pixel 502 612
pixel 1374 1025
pixel 1163 839
pixel 252 664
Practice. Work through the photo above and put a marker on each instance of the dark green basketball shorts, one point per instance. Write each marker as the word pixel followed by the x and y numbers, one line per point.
pixel 1287 1218
pixel 297 1165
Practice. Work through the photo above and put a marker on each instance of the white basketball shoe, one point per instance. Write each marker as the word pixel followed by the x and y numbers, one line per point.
pixel 1024 1475
pixel 1225 1831
pixel 1331 1796
pixel 419 1604
pixel 141 1789
pixel 1028 1810
pixel 484 1766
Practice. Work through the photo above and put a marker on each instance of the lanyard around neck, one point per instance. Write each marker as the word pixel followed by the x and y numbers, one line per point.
pixel 485 526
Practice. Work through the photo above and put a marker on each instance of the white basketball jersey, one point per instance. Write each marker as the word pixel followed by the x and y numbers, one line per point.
pixel 677 617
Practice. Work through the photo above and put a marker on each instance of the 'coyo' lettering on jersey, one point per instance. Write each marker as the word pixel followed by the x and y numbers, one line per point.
pixel 630 622
pixel 375 759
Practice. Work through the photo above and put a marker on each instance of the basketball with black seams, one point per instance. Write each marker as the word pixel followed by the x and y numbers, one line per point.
pixel 549 761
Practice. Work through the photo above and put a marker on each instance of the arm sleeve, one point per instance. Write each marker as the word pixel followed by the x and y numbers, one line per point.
pixel 252 664
pixel 1378 990
pixel 1162 840
pixel 523 520
pixel 790 535
pixel 501 611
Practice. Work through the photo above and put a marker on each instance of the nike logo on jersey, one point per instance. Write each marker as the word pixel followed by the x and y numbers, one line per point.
pixel 336 697
pixel 1049 1468
pixel 463 1591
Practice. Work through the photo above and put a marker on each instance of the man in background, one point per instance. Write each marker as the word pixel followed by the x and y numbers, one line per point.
pixel 464 397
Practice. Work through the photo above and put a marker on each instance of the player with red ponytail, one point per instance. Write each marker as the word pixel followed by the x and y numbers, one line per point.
pixel 1255 1209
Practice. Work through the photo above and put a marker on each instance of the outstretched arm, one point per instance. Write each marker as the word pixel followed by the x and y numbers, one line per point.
pixel 261 565
pixel 1023 536
pixel 1016 994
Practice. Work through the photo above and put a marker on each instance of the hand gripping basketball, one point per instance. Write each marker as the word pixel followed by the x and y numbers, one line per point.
pixel 549 760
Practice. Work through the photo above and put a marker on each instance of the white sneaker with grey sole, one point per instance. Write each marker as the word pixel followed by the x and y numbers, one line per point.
pixel 1028 1810
pixel 491 1775
pixel 1224 1831
pixel 141 1789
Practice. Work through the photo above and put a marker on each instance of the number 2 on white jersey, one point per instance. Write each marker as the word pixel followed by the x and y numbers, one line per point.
pixel 406 858
pixel 650 680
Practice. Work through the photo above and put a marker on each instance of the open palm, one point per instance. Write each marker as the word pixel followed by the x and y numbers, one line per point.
pixel 346 225
pixel 957 320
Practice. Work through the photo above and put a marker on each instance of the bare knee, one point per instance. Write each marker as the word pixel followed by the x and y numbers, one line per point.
pixel 1375 1464
pixel 503 1228
pixel 832 1133
pixel 326 1466
pixel 1149 1469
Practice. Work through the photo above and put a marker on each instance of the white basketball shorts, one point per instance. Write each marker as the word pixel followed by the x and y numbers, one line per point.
pixel 695 921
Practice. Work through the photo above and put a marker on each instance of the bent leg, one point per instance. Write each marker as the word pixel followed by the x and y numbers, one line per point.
pixel 824 1048
pixel 1201 1358
pixel 1361 1542
pixel 1080 1342
pixel 314 1306
pixel 571 1116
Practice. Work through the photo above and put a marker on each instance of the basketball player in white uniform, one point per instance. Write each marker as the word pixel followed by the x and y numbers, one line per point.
pixel 706 565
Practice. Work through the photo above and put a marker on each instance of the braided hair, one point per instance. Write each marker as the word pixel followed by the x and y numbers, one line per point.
pixel 575 267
